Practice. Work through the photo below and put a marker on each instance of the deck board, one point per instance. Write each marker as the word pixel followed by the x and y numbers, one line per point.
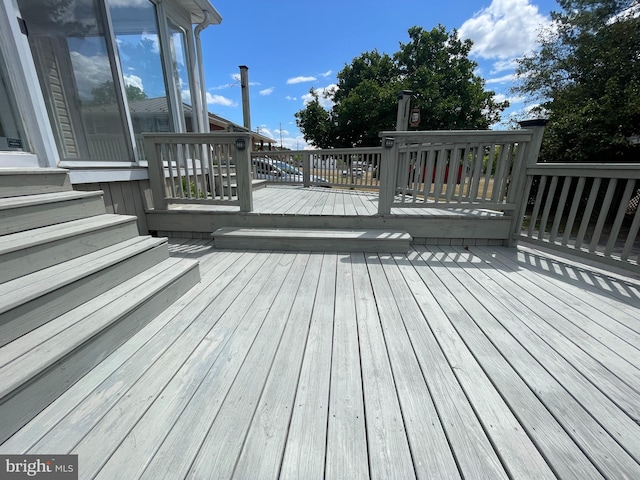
pixel 474 454
pixel 346 437
pixel 304 455
pixel 266 439
pixel 449 362
pixel 529 351
pixel 447 310
pixel 385 405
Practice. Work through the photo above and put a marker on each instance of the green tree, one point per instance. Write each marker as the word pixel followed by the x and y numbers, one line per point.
pixel 434 65
pixel 586 78
pixel 316 122
pixel 105 94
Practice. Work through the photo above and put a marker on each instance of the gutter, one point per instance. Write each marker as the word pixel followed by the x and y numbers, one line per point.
pixel 203 90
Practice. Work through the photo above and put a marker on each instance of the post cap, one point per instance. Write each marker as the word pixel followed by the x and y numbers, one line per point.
pixel 534 122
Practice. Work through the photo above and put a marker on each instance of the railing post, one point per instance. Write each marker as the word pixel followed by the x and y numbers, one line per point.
pixel 387 172
pixel 242 157
pixel 402 117
pixel 306 169
pixel 519 177
pixel 156 173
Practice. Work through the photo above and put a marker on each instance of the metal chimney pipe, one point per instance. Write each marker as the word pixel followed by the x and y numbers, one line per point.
pixel 244 83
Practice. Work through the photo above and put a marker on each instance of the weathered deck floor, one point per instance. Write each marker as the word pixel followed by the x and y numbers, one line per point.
pixel 484 363
pixel 297 200
pixel 284 206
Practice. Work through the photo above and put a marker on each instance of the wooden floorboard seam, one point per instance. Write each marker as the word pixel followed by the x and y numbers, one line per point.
pixel 446 362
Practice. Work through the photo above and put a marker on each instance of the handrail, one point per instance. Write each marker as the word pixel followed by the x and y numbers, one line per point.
pixel 339 167
pixel 440 169
pixel 589 210
pixel 202 168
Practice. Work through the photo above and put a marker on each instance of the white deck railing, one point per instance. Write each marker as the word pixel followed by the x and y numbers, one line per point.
pixel 212 168
pixel 340 167
pixel 590 210
pixel 586 209
pixel 442 169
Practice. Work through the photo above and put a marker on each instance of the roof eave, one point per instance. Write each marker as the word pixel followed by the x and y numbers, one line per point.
pixel 197 8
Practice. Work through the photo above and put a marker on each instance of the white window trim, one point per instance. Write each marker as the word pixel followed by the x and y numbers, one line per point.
pixel 40 140
pixel 28 96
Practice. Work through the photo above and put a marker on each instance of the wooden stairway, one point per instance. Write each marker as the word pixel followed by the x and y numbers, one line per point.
pixel 75 283
pixel 309 239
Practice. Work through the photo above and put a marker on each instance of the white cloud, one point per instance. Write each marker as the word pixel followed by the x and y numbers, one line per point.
pixel 504 79
pixel 326 74
pixel 289 97
pixel 503 65
pixel 505 29
pixel 220 100
pixel 134 81
pixel 153 38
pixel 236 78
pixel 263 130
pixel 267 91
pixel 501 97
pixel 322 95
pixel 295 143
pixel 95 71
pixel 294 80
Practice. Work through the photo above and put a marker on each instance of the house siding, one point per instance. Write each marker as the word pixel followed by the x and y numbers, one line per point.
pixel 124 198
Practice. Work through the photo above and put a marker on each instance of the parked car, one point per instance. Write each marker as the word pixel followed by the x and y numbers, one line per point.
pixel 356 172
pixel 278 171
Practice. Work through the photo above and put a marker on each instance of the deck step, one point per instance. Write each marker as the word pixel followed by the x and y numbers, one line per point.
pixel 23 253
pixel 33 300
pixel 18 214
pixel 391 241
pixel 40 365
pixel 16 182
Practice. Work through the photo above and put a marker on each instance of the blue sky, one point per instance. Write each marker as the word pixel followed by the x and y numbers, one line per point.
pixel 292 45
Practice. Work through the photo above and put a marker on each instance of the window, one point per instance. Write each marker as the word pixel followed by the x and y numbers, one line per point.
pixel 75 69
pixel 11 132
pixel 111 70
pixel 136 30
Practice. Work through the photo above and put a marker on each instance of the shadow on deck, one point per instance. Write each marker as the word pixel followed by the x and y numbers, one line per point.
pixel 446 362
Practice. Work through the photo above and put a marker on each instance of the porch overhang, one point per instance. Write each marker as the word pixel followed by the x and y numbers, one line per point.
pixel 197 9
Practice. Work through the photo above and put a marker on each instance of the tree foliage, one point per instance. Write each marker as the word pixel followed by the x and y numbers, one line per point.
pixel 105 93
pixel 434 65
pixel 586 77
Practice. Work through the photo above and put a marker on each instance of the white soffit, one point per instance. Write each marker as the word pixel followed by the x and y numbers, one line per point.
pixel 197 8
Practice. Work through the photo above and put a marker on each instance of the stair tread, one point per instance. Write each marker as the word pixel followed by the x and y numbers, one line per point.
pixel 32 171
pixel 38 199
pixel 20 290
pixel 368 234
pixel 38 236
pixel 27 356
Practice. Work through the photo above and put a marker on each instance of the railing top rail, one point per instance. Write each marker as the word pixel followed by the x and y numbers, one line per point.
pixel 345 151
pixel 188 138
pixel 604 170
pixel 460 136
pixel 324 151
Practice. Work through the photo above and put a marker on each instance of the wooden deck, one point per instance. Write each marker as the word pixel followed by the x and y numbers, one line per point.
pixel 284 206
pixel 277 199
pixel 447 362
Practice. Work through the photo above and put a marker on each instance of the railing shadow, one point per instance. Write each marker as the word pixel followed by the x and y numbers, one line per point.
pixel 590 279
